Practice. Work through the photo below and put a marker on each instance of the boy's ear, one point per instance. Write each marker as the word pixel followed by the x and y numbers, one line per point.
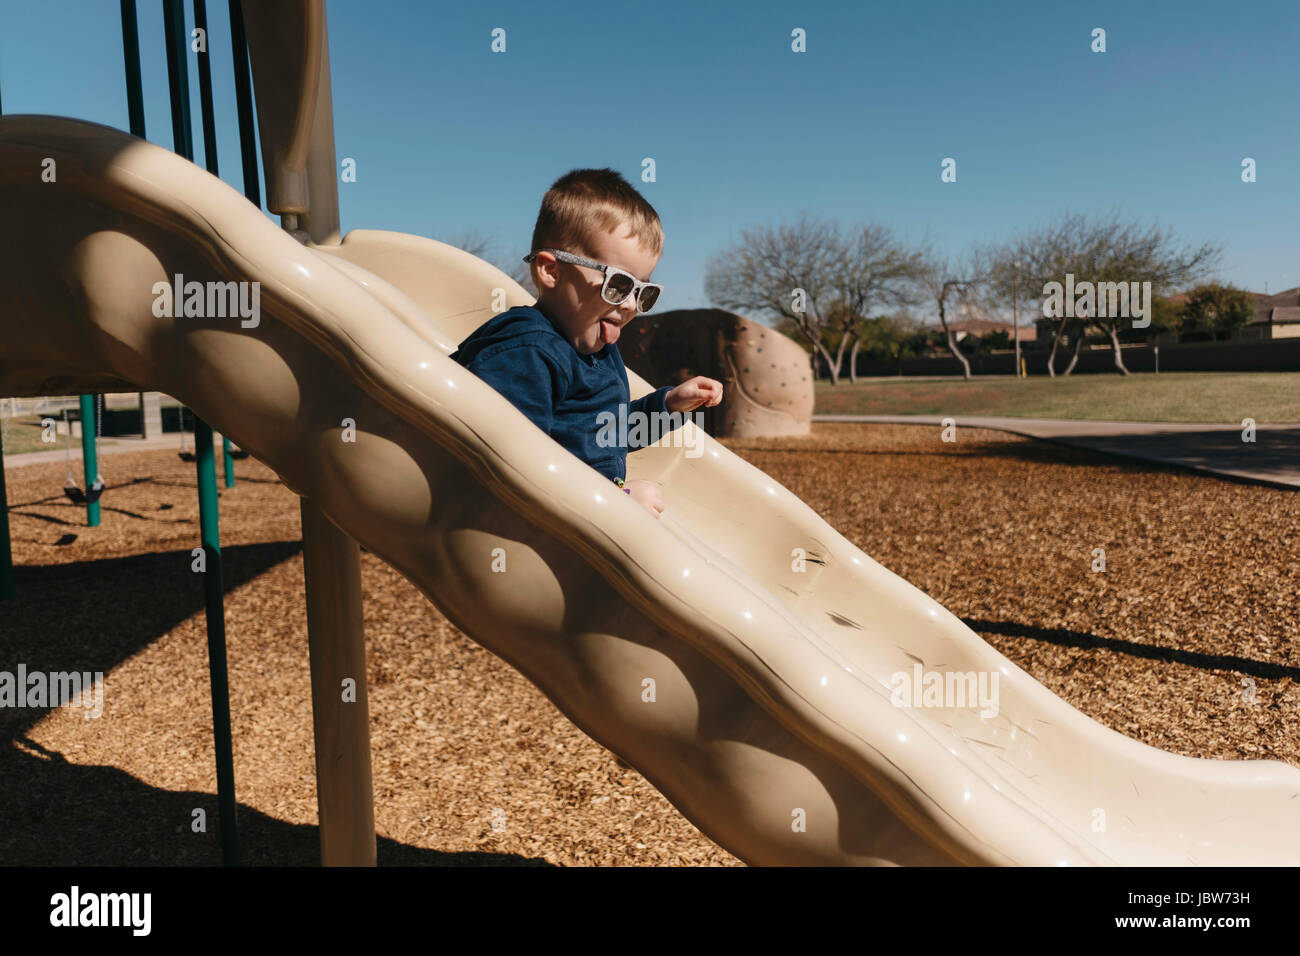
pixel 546 272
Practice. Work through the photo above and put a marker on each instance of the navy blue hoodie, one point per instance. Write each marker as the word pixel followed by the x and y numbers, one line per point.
pixel 526 359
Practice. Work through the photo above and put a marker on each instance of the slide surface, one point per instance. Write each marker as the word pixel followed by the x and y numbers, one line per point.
pixel 739 652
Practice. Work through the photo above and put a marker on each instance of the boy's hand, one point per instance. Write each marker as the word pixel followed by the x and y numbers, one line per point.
pixel 693 393
pixel 647 494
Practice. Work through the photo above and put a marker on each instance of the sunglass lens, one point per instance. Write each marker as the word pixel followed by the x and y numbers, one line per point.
pixel 649 296
pixel 617 289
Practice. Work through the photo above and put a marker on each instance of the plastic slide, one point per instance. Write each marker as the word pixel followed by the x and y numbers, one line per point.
pixel 759 697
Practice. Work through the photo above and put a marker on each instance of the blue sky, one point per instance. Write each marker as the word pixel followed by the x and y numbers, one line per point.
pixel 451 138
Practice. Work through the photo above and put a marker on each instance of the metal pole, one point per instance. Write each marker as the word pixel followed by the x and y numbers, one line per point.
pixel 178 83
pixel 244 104
pixel 210 163
pixel 131 54
pixel 214 605
pixel 88 457
pixel 247 142
pixel 178 77
pixel 6 553
pixel 1015 311
pixel 205 92
pixel 134 108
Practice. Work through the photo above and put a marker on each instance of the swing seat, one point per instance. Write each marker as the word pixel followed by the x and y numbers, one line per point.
pixel 93 492
pixel 79 497
pixel 185 455
pixel 238 454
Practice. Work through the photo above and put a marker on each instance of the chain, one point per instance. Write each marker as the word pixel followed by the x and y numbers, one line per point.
pixel 100 402
pixel 67 448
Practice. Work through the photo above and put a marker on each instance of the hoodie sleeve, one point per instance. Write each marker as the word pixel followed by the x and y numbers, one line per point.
pixel 654 406
pixel 525 375
pixel 651 403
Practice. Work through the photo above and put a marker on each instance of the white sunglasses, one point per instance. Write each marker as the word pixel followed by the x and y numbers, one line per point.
pixel 618 284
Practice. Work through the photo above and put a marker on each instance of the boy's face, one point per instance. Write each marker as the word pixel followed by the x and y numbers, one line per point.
pixel 570 294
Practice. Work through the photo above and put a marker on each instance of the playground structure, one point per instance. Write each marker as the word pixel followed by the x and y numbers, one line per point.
pixel 770 642
pixel 767 379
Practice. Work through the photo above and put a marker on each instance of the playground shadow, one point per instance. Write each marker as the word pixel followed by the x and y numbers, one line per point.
pixel 76 513
pixel 1064 637
pixel 1046 451
pixel 1272 458
pixel 55 813
pixel 1029 450
pixel 93 616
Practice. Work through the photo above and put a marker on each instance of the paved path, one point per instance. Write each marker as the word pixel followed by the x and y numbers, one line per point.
pixel 1272 459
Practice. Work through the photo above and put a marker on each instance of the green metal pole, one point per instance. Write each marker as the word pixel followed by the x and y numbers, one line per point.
pixel 209 121
pixel 244 103
pixel 179 87
pixel 131 56
pixel 88 457
pixel 213 591
pixel 178 77
pixel 6 555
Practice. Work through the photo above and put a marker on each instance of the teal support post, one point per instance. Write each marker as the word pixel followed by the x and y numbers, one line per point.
pixel 227 462
pixel 131 58
pixel 89 458
pixel 213 593
pixel 6 555
pixel 209 122
pixel 204 458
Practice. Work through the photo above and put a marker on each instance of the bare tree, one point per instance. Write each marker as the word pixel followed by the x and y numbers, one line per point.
pixel 1134 254
pixel 517 269
pixel 789 271
pixel 470 241
pixel 880 273
pixel 1039 256
pixel 1100 249
pixel 825 284
pixel 943 280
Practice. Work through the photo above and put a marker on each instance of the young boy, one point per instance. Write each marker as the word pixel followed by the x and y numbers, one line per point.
pixel 595 245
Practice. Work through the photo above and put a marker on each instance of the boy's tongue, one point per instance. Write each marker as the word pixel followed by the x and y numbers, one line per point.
pixel 608 332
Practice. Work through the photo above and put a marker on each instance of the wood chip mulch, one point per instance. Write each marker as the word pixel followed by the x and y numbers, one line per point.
pixel 1197 609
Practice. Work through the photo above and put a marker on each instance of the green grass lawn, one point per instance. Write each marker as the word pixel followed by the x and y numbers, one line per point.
pixel 23 434
pixel 1272 397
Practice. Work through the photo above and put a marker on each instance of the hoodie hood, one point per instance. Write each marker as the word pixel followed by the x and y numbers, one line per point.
pixel 522 320
pixel 508 326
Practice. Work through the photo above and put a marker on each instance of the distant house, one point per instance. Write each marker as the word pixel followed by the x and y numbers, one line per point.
pixel 974 322
pixel 1277 316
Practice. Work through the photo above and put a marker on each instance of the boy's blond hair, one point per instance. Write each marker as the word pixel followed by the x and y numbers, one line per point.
pixel 587 202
